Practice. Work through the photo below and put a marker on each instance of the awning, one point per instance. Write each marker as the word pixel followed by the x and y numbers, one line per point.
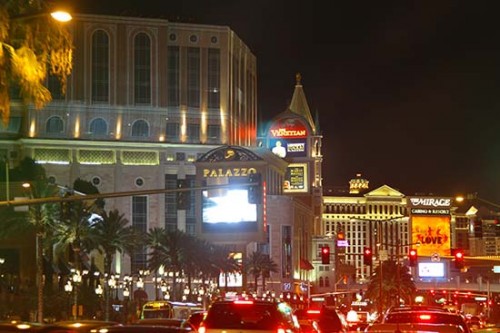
pixel 305 264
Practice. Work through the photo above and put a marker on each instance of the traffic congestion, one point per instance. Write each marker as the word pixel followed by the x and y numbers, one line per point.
pixel 237 313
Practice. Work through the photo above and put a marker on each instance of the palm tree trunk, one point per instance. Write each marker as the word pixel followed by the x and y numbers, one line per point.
pixel 39 276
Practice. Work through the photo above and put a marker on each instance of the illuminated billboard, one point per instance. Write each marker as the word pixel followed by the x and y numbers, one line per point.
pixel 433 234
pixel 296 178
pixel 228 211
pixel 289 128
pixel 288 148
pixel 431 269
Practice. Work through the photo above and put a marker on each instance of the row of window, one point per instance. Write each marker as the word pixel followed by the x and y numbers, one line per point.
pixel 142 72
pixel 366 209
pixel 139 128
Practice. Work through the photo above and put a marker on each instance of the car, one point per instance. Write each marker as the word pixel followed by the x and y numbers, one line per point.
pixel 143 329
pixel 249 315
pixel 307 320
pixel 196 318
pixel 419 320
pixel 170 322
pixel 357 320
pixel 331 321
pixel 20 326
pixel 82 326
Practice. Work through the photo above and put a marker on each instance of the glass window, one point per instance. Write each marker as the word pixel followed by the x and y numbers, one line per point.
pixel 213 132
pixel 213 78
pixel 173 132
pixel 193 133
pixel 100 66
pixel 173 73
pixel 140 128
pixel 170 203
pixel 54 125
pixel 140 223
pixel 286 267
pixel 98 126
pixel 142 69
pixel 193 77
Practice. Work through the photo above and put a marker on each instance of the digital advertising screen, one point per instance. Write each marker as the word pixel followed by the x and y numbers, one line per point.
pixel 296 178
pixel 432 233
pixel 288 147
pixel 431 269
pixel 228 210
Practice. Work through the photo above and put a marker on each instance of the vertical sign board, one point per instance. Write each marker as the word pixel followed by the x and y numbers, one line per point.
pixel 430 224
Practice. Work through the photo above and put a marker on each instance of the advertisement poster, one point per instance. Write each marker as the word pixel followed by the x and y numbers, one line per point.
pixel 288 148
pixel 433 234
pixel 296 178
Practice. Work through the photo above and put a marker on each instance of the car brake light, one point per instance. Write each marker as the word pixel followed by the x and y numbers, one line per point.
pixel 424 317
pixel 243 302
pixel 313 311
pixel 202 329
pixel 280 330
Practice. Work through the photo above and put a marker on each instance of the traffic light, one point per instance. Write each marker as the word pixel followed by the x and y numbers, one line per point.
pixel 459 258
pixel 413 258
pixel 367 256
pixel 325 255
pixel 183 196
pixel 255 189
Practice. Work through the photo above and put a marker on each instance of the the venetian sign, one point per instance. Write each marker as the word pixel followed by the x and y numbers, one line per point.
pixel 288 128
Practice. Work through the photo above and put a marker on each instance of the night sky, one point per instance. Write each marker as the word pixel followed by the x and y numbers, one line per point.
pixel 408 92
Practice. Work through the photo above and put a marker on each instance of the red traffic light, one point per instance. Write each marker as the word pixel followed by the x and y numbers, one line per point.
pixel 325 255
pixel 367 256
pixel 459 259
pixel 413 258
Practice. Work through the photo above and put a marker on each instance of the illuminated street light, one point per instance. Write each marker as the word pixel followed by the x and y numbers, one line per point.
pixel 61 16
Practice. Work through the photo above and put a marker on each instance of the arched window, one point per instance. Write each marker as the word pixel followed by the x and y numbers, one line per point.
pixel 100 66
pixel 98 126
pixel 321 284
pixel 54 125
pixel 140 128
pixel 142 69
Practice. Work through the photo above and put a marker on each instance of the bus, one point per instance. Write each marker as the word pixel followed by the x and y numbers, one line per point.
pixel 167 309
pixel 157 309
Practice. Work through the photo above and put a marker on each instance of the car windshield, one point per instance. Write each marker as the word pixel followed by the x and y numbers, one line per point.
pixel 243 316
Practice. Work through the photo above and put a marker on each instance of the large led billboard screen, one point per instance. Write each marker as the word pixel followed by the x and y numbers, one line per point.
pixel 431 269
pixel 228 211
pixel 432 233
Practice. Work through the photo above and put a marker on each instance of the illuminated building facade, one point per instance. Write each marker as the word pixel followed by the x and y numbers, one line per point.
pixel 146 98
pixel 152 102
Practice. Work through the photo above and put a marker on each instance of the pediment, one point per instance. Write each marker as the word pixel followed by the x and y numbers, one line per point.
pixel 385 191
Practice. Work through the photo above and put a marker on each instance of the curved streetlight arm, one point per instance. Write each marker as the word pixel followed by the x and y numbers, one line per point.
pixel 58 15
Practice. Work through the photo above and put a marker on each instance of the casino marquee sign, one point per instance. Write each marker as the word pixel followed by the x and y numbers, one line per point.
pixel 429 205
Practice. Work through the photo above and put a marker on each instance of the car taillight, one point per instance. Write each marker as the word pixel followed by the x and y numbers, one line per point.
pixel 202 329
pixel 313 311
pixel 280 330
pixel 424 317
pixel 243 302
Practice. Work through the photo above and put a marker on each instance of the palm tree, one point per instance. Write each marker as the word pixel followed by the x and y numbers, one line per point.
pixel 253 266
pixel 388 281
pixel 29 44
pixel 112 234
pixel 41 217
pixel 268 267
